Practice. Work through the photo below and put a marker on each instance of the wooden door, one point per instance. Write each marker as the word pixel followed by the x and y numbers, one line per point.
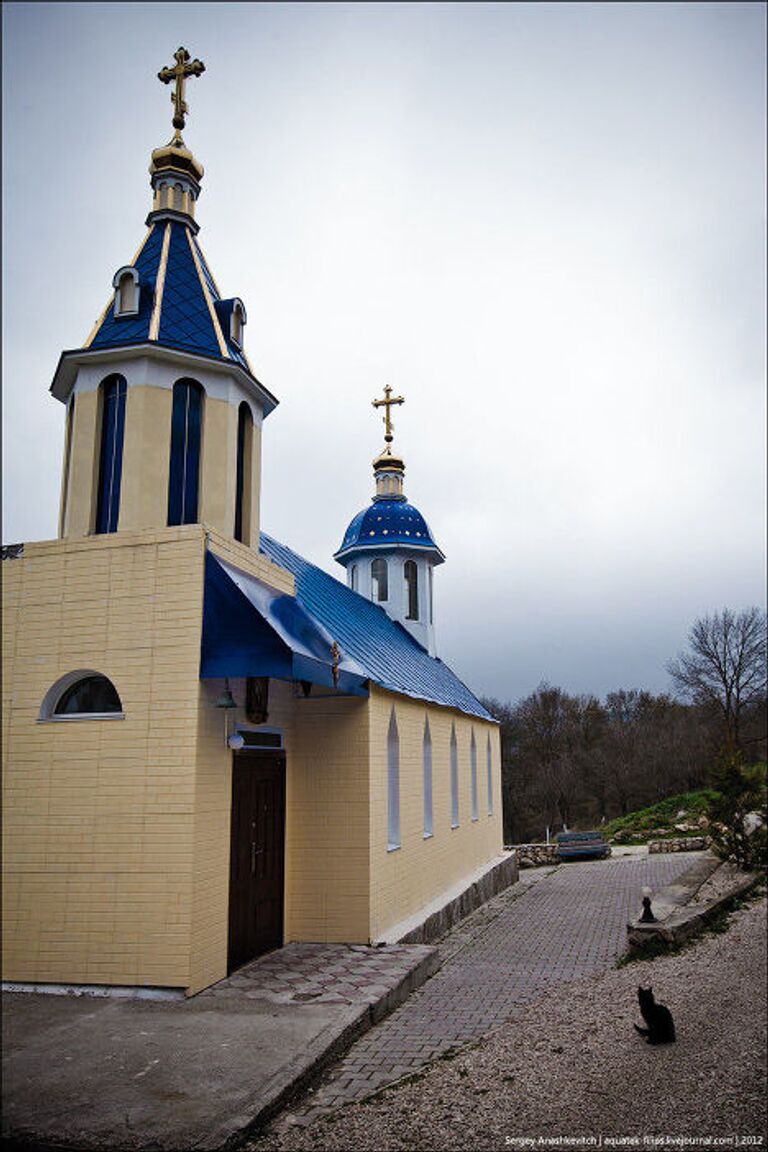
pixel 256 855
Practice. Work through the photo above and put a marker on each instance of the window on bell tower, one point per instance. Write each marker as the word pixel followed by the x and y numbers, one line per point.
pixel 126 285
pixel 411 574
pixel 243 480
pixel 186 434
pixel 379 581
pixel 113 391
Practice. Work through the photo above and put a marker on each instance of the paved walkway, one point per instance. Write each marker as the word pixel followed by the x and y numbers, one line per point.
pixel 554 926
pixel 107 1073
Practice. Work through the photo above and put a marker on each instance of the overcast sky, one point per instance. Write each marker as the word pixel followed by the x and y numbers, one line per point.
pixel 543 224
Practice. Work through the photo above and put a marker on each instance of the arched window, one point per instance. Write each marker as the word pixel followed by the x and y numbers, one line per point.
pixel 411 573
pixel 489 765
pixel 379 583
pixel 177 196
pixel 113 392
pixel 243 482
pixel 237 323
pixel 353 577
pixel 454 779
pixel 186 430
pixel 126 285
pixel 393 784
pixel 427 766
pixel 84 695
pixel 473 775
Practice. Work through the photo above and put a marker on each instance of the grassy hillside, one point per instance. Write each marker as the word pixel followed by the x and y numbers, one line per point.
pixel 683 815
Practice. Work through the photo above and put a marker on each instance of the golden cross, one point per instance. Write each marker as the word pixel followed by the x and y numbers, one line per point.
pixel 184 67
pixel 387 403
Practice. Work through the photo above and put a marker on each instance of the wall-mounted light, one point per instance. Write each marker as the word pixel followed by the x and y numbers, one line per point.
pixel 236 741
pixel 226 701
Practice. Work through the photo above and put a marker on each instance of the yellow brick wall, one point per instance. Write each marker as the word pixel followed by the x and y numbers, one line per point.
pixel 99 815
pixel 116 832
pixel 146 457
pixel 79 513
pixel 213 791
pixel 327 858
pixel 411 877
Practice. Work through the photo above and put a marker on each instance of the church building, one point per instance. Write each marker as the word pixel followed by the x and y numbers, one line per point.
pixel 212 747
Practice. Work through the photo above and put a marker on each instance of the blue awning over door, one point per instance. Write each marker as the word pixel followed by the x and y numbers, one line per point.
pixel 250 629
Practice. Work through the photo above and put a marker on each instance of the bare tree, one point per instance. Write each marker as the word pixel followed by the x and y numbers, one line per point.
pixel 725 667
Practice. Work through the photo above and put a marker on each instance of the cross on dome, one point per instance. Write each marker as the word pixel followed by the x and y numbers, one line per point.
pixel 387 403
pixel 184 67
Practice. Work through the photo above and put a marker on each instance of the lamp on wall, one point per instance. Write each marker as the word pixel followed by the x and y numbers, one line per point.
pixel 226 701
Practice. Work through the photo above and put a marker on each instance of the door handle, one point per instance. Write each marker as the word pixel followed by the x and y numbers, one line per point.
pixel 254 853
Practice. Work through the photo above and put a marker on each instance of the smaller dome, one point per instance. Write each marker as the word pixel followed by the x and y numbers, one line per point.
pixel 386 462
pixel 175 156
pixel 388 524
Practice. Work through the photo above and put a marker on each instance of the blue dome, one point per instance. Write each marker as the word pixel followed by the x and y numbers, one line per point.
pixel 388 523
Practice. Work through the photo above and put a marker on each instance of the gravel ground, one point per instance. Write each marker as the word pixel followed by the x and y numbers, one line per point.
pixel 571 1065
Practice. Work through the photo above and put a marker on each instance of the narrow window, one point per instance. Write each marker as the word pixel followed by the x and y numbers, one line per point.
pixel 186 422
pixel 454 779
pixel 353 577
pixel 67 461
pixel 412 588
pixel 237 324
pixel 490 778
pixel 429 587
pixel 126 285
pixel 427 758
pixel 113 391
pixel 393 784
pixel 177 201
pixel 379 583
pixel 243 481
pixel 473 774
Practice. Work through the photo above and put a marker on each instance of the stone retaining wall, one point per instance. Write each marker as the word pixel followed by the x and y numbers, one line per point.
pixel 534 855
pixel 495 880
pixel 681 844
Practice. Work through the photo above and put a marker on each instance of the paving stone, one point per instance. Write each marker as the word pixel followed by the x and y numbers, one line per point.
pixel 557 926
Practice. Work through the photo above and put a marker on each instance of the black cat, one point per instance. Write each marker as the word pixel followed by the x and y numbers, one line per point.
pixel 661 1026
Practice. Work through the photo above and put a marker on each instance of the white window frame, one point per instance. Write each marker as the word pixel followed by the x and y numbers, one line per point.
pixel 490 776
pixel 393 785
pixel 427 776
pixel 454 779
pixel 126 272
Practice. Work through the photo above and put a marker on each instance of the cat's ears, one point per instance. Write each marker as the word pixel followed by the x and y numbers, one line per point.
pixel 641 989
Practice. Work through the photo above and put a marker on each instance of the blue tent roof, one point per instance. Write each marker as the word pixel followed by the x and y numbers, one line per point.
pixel 388 523
pixel 186 322
pixel 382 648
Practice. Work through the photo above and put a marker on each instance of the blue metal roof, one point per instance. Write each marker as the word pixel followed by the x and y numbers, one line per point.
pixel 185 318
pixel 382 648
pixel 387 523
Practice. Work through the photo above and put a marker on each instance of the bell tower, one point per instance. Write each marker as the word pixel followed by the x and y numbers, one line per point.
pixel 388 550
pixel 164 413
